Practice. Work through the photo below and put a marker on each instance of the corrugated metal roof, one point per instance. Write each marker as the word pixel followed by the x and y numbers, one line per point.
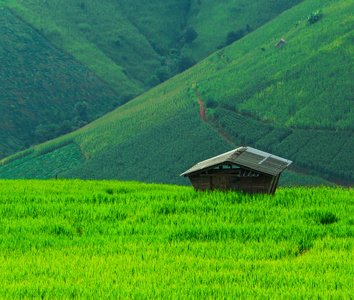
pixel 245 157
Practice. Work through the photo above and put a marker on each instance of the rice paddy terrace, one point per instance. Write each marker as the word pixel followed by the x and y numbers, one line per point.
pixel 109 239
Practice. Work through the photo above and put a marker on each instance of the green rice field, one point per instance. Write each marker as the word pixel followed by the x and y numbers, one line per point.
pixel 62 239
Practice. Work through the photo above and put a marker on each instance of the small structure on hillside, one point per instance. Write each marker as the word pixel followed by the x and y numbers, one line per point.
pixel 243 169
pixel 280 43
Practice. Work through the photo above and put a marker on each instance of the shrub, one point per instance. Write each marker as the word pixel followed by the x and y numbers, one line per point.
pixel 314 17
pixel 162 74
pixel 156 46
pixel 153 81
pixel 46 132
pixel 210 103
pixel 65 127
pixel 81 110
pixel 189 35
pixel 185 63
pixel 233 36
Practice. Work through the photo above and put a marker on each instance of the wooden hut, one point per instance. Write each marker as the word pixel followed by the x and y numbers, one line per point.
pixel 280 43
pixel 243 169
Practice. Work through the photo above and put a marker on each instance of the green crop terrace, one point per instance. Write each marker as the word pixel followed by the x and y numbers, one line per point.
pixel 129 240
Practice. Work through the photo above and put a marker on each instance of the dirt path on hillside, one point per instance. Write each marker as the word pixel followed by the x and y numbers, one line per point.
pixel 202 110
pixel 221 132
pixel 203 115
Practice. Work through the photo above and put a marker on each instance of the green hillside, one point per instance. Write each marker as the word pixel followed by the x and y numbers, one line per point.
pixel 131 46
pixel 282 100
pixel 43 92
pixel 107 239
pixel 220 23
pixel 124 42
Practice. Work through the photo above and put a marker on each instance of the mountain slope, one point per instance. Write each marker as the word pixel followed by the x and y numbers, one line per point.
pixel 125 42
pixel 219 23
pixel 225 81
pixel 42 89
pixel 129 45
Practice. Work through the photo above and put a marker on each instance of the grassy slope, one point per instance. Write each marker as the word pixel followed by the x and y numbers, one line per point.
pixel 108 239
pixel 40 85
pixel 213 20
pixel 303 84
pixel 107 36
pixel 123 161
pixel 167 101
pixel 122 43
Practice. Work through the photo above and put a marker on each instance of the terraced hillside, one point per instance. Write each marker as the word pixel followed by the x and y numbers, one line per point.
pixel 293 101
pixel 129 45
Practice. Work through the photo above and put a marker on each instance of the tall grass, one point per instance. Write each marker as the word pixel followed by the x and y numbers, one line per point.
pixel 109 239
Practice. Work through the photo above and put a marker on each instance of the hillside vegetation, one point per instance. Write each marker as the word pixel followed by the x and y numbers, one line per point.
pixel 129 45
pixel 124 42
pixel 233 83
pixel 43 92
pixel 109 239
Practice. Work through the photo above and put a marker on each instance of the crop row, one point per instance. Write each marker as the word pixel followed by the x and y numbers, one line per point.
pixel 149 162
pixel 42 165
pixel 258 79
pixel 328 152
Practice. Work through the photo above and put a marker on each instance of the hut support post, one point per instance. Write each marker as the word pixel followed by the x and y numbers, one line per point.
pixel 274 184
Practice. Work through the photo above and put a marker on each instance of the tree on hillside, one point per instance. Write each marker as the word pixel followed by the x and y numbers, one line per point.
pixel 65 127
pixel 185 62
pixel 162 74
pixel 46 132
pixel 233 36
pixel 189 35
pixel 81 110
pixel 314 16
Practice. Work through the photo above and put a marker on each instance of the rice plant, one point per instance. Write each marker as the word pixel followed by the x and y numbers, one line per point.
pixel 110 239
